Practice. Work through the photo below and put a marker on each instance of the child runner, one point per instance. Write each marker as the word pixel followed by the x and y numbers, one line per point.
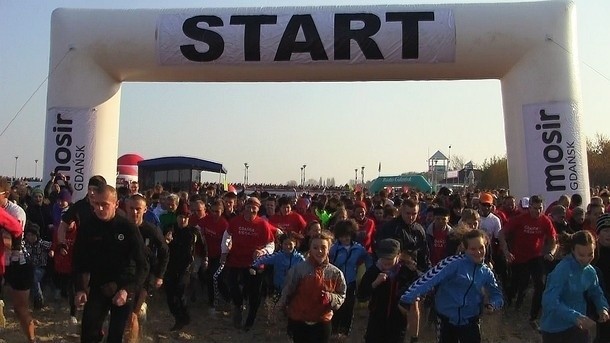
pixel 460 281
pixel 347 255
pixel 564 301
pixel 38 253
pixel 282 261
pixel 312 229
pixel 63 267
pixel 382 285
pixel 312 291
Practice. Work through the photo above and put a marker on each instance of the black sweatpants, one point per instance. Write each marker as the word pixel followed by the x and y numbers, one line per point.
pixel 241 284
pixel 384 328
pixel 209 280
pixel 301 332
pixel 175 285
pixel 65 282
pixel 449 333
pixel 342 318
pixel 521 273
pixel 94 314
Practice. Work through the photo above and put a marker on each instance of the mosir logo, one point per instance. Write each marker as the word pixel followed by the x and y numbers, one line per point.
pixel 559 154
pixel 69 156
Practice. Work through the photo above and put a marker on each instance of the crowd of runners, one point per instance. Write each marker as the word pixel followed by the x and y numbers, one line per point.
pixel 414 257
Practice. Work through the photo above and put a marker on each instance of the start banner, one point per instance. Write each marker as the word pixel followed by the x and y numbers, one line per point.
pixel 379 34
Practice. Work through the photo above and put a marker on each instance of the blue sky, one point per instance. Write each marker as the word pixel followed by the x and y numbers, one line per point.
pixel 333 128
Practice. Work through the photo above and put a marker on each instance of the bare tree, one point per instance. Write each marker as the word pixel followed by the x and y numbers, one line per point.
pixel 598 156
pixel 456 162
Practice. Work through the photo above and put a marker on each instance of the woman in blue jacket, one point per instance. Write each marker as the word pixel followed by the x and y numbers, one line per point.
pixel 564 302
pixel 460 281
pixel 347 255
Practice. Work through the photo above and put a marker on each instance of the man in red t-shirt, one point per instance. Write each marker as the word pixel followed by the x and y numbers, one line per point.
pixel 287 220
pixel 247 238
pixel 532 239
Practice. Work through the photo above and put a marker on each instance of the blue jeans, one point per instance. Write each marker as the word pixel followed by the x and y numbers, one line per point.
pixel 36 291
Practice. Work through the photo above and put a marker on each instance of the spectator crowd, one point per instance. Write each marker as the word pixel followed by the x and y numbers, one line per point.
pixel 447 257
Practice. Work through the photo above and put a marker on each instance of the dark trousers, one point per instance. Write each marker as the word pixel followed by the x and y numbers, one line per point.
pixel 223 290
pixel 603 333
pixel 175 285
pixel 94 314
pixel 449 333
pixel 521 273
pixel 301 332
pixel 502 270
pixel 241 284
pixel 572 335
pixel 342 318
pixel 65 282
pixel 384 328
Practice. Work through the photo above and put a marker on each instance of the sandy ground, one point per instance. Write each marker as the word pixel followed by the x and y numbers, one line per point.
pixel 211 326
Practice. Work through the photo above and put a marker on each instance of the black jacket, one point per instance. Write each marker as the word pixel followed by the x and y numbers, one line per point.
pixel 182 249
pixel 412 238
pixel 157 251
pixel 112 253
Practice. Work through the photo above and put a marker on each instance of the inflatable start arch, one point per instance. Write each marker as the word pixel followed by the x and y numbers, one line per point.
pixel 93 51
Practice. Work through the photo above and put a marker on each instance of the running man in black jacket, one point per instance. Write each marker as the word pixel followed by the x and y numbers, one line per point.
pixel 110 252
pixel 157 253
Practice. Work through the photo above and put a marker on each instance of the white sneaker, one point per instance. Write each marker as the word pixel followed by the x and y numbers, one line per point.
pixel 73 320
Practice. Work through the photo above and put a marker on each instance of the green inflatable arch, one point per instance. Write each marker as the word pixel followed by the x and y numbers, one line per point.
pixel 412 181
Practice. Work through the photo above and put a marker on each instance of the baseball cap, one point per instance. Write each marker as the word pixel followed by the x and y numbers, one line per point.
pixel 486 198
pixel 388 248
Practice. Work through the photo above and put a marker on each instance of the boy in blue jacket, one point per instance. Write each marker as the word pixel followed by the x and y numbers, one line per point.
pixel 347 255
pixel 282 260
pixel 460 281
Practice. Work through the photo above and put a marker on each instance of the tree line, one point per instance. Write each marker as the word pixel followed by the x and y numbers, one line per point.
pixel 495 169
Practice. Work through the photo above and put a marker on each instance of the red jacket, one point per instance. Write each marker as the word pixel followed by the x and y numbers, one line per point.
pixel 10 225
pixel 303 290
pixel 63 263
pixel 366 233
